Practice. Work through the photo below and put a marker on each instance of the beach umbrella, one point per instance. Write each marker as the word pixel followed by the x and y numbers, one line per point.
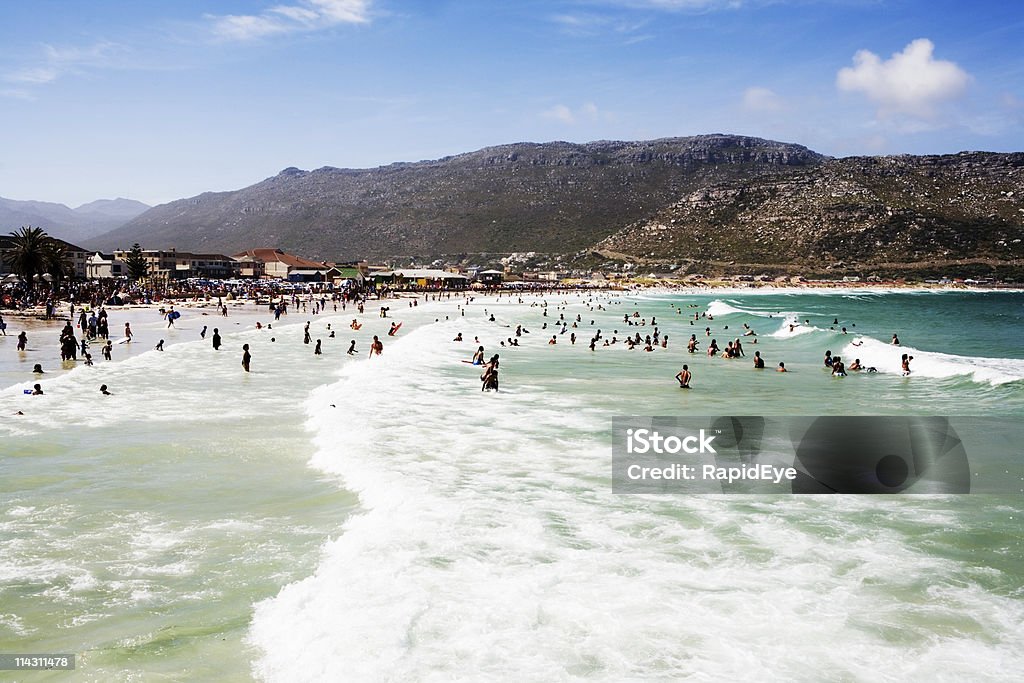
pixel 10 279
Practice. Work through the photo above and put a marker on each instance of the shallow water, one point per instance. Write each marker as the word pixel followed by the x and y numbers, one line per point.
pixel 384 519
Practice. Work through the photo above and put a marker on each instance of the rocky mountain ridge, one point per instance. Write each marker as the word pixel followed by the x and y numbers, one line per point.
pixel 553 197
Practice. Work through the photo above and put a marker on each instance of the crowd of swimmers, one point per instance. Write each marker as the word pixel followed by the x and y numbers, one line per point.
pixel 95 325
pixel 734 348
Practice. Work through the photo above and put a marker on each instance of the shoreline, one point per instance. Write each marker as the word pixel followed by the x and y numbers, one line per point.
pixel 38 312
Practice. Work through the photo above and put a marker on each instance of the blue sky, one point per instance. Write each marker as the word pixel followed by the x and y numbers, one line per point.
pixel 161 100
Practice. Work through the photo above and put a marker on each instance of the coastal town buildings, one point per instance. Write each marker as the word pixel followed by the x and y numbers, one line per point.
pixel 78 257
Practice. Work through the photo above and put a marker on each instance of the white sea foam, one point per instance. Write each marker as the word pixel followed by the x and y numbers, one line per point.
pixel 887 358
pixel 490 547
pixel 720 308
pixel 799 328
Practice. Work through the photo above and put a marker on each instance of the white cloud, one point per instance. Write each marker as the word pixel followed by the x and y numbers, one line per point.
pixel 307 15
pixel 910 82
pixel 33 74
pixel 590 25
pixel 588 111
pixel 560 113
pixel 674 5
pixel 57 61
pixel 1011 101
pixel 16 94
pixel 760 99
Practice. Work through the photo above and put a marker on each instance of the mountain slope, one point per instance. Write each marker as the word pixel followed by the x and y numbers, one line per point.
pixel 73 225
pixel 846 213
pixel 120 208
pixel 556 197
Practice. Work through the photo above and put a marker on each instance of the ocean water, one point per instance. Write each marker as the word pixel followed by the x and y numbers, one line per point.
pixel 347 518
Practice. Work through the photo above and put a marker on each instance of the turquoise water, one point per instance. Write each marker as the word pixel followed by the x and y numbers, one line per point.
pixel 369 519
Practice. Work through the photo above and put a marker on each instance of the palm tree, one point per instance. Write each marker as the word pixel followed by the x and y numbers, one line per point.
pixel 56 262
pixel 27 256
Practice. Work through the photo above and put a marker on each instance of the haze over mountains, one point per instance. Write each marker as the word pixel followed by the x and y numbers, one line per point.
pixel 74 225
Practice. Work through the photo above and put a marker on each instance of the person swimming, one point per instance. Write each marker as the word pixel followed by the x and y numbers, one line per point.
pixel 38 369
pixel 781 368
pixel 103 390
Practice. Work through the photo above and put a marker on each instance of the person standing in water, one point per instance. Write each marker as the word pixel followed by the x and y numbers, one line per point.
pixel 216 339
pixel 758 361
pixel 128 332
pixel 377 347
pixel 478 357
pixel 246 357
pixel 202 335
pixel 352 348
pixel 22 341
pixel 489 378
pixel 317 351
pixel 684 376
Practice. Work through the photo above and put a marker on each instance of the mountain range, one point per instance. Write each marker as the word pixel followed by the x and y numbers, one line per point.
pixel 708 203
pixel 554 197
pixel 73 225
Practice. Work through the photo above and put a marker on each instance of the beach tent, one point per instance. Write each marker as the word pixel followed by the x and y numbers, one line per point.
pixel 10 279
